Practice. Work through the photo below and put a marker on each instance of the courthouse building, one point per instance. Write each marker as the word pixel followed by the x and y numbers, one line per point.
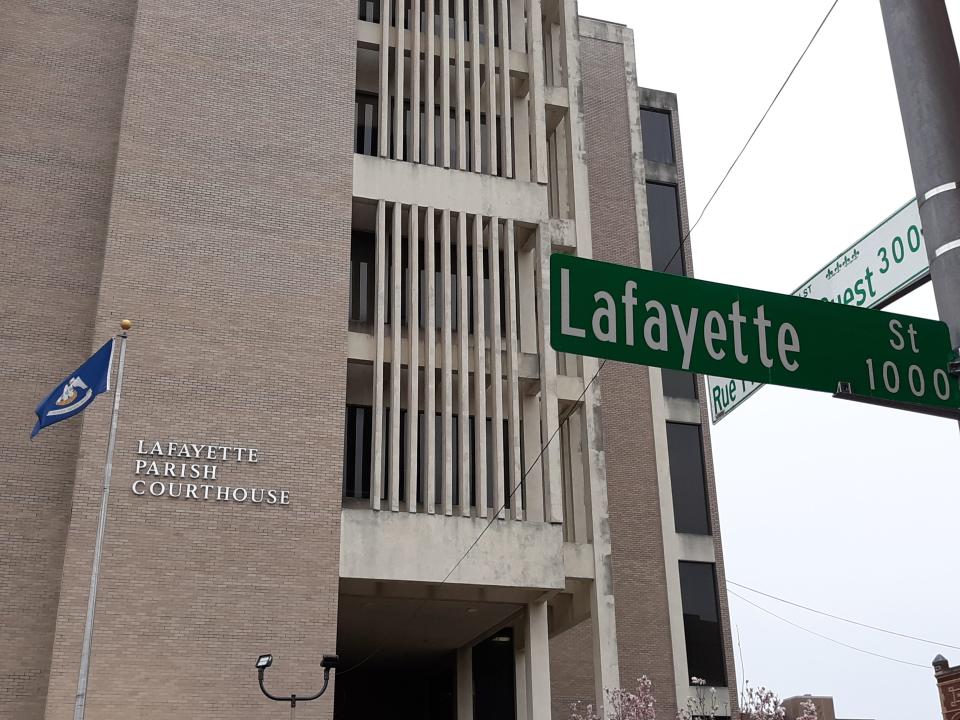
pixel 343 428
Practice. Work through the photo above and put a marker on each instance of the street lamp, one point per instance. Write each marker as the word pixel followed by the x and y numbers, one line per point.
pixel 327 663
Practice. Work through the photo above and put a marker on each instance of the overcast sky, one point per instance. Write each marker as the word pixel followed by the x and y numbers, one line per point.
pixel 844 507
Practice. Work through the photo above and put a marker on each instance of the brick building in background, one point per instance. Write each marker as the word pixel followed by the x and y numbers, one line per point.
pixel 294 219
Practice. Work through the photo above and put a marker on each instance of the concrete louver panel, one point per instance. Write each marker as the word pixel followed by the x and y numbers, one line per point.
pixel 376 473
pixel 415 82
pixel 537 119
pixel 384 98
pixel 445 85
pixel 430 80
pixel 413 362
pixel 461 101
pixel 479 371
pixel 400 67
pixel 396 277
pixel 430 364
pixel 513 387
pixel 496 369
pixel 447 353
pixel 463 366
pixel 491 81
pixel 477 154
pixel 506 161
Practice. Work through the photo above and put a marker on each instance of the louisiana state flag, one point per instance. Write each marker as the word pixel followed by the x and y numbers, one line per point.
pixel 78 389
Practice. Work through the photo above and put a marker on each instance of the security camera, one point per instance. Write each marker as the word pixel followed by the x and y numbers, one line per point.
pixel 264 661
pixel 329 662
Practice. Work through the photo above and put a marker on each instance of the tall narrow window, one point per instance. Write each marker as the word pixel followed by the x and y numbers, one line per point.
pixel 664 214
pixel 367 118
pixel 657 135
pixel 357 445
pixel 701 623
pixel 362 246
pixel 687 479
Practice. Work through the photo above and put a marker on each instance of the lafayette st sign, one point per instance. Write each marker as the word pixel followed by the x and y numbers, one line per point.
pixel 637 316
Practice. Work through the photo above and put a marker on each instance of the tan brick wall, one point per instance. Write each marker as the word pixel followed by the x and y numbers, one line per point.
pixel 638 569
pixel 61 92
pixel 228 246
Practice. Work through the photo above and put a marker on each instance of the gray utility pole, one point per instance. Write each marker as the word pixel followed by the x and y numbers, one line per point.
pixel 927 75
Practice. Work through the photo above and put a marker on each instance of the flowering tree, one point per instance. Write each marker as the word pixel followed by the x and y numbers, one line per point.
pixel 761 704
pixel 703 704
pixel 625 704
pixel 808 711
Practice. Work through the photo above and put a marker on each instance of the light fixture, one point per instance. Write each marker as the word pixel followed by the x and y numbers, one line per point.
pixel 328 663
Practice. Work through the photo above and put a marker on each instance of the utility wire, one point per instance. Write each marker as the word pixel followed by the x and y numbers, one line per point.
pixel 843 619
pixel 563 421
pixel 750 138
pixel 825 637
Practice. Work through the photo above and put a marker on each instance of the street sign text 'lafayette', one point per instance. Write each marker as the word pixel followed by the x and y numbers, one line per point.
pixel 624 313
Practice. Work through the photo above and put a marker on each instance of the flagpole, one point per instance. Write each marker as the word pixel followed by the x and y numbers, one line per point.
pixel 81 701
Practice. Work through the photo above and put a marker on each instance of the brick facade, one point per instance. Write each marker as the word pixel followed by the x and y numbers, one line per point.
pixel 61 94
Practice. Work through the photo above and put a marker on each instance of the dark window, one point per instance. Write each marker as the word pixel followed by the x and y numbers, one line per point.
pixel 357 446
pixel 366 140
pixel 370 10
pixel 679 384
pixel 665 228
pixel 657 135
pixel 701 623
pixel 362 278
pixel 685 447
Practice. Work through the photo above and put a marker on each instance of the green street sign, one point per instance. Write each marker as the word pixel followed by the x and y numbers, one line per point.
pixel 637 316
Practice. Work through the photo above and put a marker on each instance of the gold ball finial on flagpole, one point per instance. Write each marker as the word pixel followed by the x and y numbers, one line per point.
pixel 125 324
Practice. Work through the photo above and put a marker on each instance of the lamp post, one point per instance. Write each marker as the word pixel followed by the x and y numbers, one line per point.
pixel 327 663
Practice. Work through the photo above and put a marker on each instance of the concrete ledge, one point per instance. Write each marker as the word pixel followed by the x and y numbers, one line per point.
pixel 428 186
pixel 682 410
pixel 423 548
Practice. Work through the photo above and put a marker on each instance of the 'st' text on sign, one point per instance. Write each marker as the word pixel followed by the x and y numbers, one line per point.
pixel 637 316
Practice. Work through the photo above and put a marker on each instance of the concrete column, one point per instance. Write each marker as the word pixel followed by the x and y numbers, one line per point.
pixel 413 361
pixel 398 83
pixel 537 111
pixel 520 680
pixel 396 359
pixel 537 658
pixel 496 368
pixel 465 683
pixel 491 76
pixel 445 83
pixel 447 351
pixel 549 411
pixel 479 370
pixel 384 99
pixel 531 458
pixel 430 101
pixel 415 81
pixel 430 369
pixel 376 472
pixel 606 661
pixel 477 164
pixel 513 382
pixel 461 86
pixel 463 366
pixel 506 160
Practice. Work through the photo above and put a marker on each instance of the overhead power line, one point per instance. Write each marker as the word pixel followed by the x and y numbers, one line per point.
pixel 686 237
pixel 843 619
pixel 826 637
